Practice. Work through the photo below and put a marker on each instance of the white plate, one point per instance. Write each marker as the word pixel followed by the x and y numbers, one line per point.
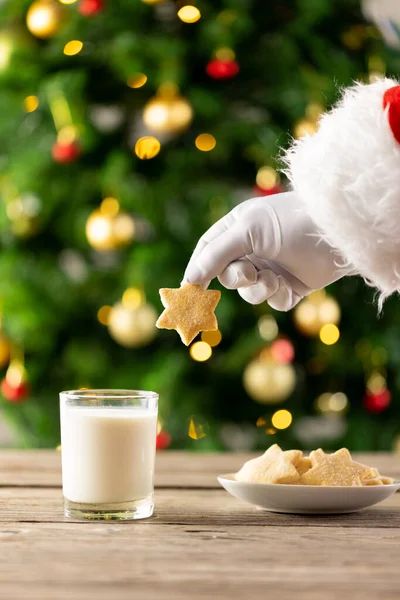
pixel 307 499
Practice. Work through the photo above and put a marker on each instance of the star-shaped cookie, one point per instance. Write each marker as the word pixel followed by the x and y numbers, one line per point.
pixel 188 309
pixel 336 469
pixel 274 466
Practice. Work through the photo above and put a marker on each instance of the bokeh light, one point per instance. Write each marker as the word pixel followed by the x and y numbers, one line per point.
pixel 6 50
pixel 197 428
pixel 189 14
pixel 304 128
pixel 73 47
pixel 268 328
pixel 200 351
pixel 266 178
pixel 147 147
pixel 137 80
pixel 329 334
pixel 31 103
pixel 376 383
pixel 103 314
pixel 314 111
pixel 338 402
pixel 225 54
pixel 282 419
pixel 282 351
pixel 322 402
pixel 212 338
pixel 67 134
pixel 124 228
pixel 109 207
pixel 132 298
pixel 330 404
pixel 205 142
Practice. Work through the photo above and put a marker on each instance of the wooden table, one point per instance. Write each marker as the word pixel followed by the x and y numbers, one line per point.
pixel 201 543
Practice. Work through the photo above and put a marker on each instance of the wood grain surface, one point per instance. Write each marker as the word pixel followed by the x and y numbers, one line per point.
pixel 173 469
pixel 201 542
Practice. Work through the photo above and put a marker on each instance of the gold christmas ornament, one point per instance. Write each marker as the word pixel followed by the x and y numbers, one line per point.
pixel 316 311
pixel 108 228
pixel 269 382
pixel 168 112
pixel 132 327
pixel 44 18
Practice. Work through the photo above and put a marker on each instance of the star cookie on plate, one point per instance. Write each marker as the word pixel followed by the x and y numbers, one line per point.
pixel 274 466
pixel 188 309
pixel 303 465
pixel 336 469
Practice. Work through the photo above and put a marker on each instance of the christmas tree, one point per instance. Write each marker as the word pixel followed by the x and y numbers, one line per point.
pixel 127 129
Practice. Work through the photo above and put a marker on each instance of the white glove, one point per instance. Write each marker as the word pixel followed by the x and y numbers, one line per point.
pixel 267 248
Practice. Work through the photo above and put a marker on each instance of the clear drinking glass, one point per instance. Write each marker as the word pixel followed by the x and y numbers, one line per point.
pixel 108 444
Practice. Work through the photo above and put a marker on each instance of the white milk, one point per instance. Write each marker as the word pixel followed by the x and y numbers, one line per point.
pixel 107 453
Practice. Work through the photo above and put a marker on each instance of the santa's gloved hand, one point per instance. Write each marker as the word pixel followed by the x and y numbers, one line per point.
pixel 267 248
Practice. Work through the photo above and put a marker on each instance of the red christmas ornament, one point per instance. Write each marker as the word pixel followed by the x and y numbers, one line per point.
pixel 218 68
pixel 16 393
pixel 66 153
pixel 276 189
pixel 377 403
pixel 391 101
pixel 163 440
pixel 88 8
pixel 282 351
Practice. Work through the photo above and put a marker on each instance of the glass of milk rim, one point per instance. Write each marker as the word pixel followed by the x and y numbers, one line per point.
pixel 108 445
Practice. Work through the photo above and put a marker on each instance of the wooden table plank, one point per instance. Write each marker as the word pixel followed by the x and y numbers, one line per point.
pixel 192 508
pixel 173 469
pixel 201 543
pixel 84 561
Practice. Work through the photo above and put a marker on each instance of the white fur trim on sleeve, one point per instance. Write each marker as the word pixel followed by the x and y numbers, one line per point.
pixel 348 176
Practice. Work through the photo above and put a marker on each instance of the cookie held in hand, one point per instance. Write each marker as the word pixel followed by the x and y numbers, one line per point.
pixel 189 310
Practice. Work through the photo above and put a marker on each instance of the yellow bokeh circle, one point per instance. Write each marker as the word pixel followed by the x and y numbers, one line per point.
pixel 205 142
pixel 147 147
pixel 200 351
pixel 31 103
pixel 282 419
pixel 189 14
pixel 212 338
pixel 329 334
pixel 73 47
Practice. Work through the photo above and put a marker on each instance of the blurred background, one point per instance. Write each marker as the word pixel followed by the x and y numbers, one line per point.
pixel 127 128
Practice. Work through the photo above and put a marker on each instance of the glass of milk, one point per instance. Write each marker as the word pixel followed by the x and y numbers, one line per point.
pixel 108 444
